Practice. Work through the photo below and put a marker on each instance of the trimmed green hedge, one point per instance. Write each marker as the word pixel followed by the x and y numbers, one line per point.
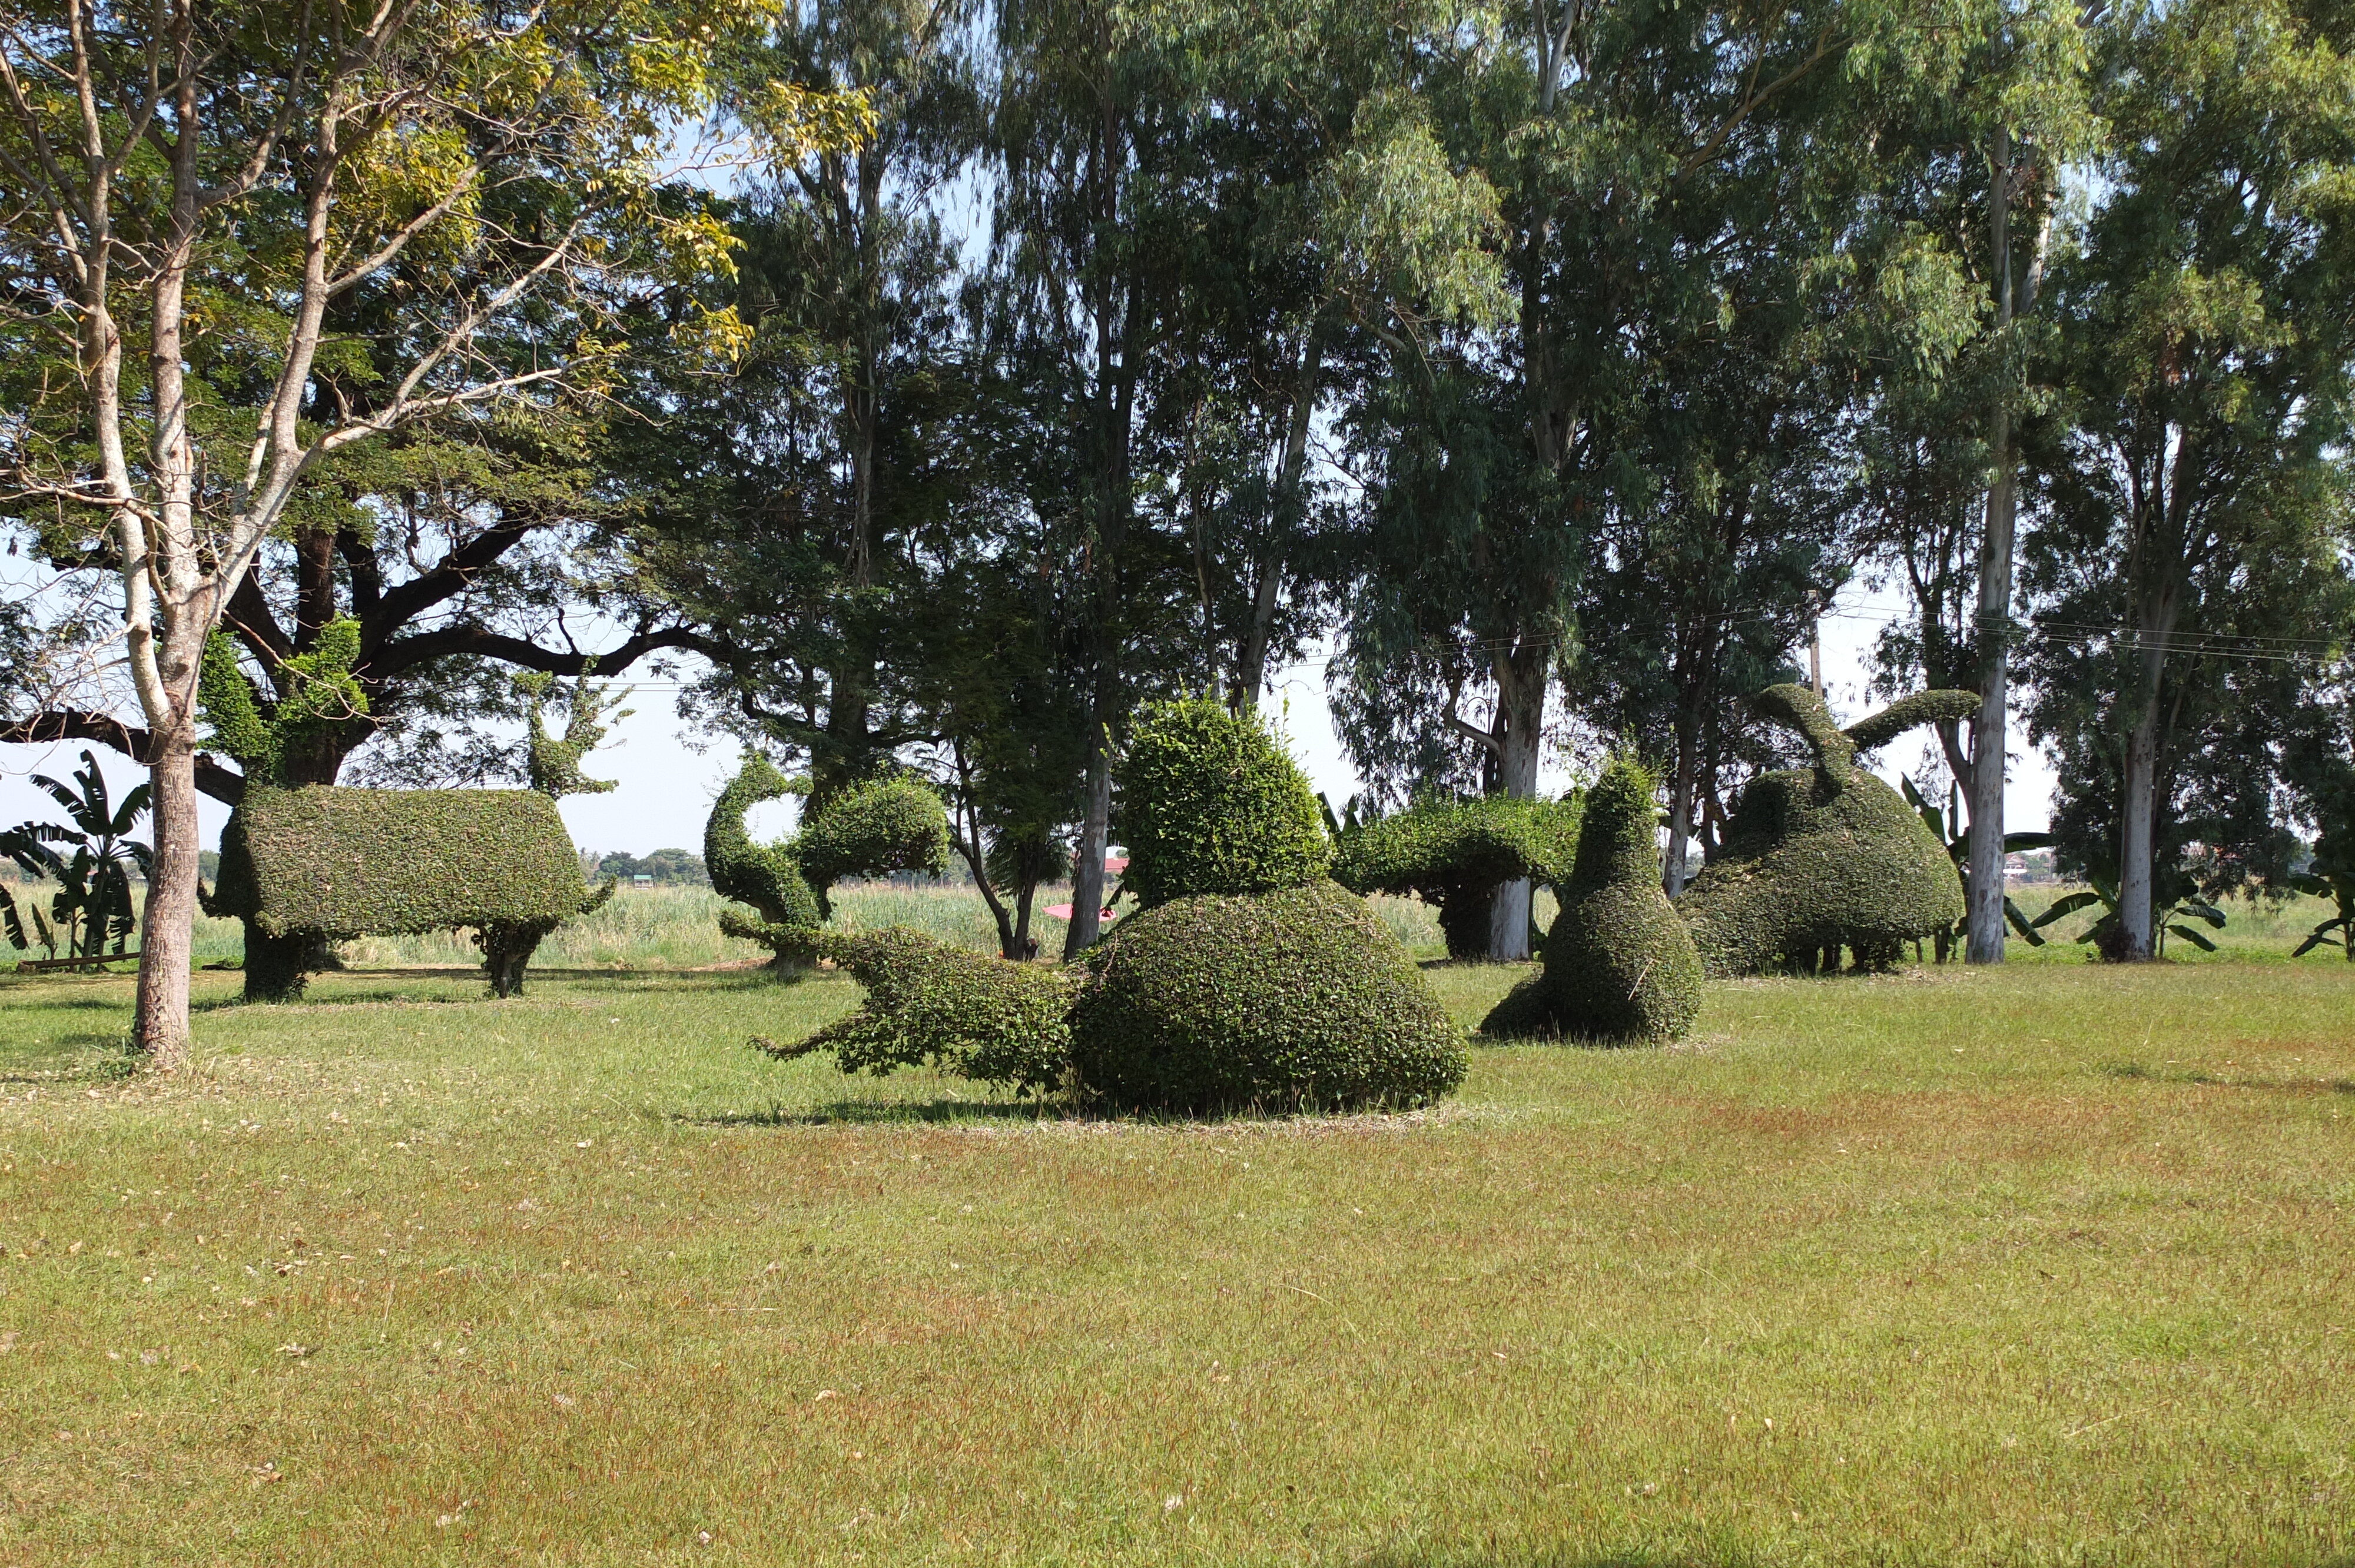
pixel 871 828
pixel 929 1003
pixel 766 877
pixel 1210 804
pixel 882 825
pixel 1455 853
pixel 1619 964
pixel 1288 1000
pixel 1815 860
pixel 389 863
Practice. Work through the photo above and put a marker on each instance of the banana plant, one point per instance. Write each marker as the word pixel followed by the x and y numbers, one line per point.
pixel 92 908
pixel 34 857
pixel 1957 840
pixel 2332 876
pixel 2167 917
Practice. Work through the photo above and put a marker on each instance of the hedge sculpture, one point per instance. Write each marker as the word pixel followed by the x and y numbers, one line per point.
pixel 1815 860
pixel 306 867
pixel 867 829
pixel 300 865
pixel 1457 854
pixel 1247 980
pixel 1620 964
pixel 1211 805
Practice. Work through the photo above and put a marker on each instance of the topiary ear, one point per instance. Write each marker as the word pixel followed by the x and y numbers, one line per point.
pixel 1798 707
pixel 1906 713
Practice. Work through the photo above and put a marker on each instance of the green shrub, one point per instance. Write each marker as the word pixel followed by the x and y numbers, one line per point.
pixel 1286 1000
pixel 929 1003
pixel 766 877
pixel 1815 860
pixel 1210 804
pixel 1457 854
pixel 1619 964
pixel 869 828
pixel 307 866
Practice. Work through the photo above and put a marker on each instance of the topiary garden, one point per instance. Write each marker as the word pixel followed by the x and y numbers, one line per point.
pixel 867 829
pixel 306 866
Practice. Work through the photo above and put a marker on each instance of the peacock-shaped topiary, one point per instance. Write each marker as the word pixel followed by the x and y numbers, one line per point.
pixel 1620 964
pixel 1817 859
pixel 867 829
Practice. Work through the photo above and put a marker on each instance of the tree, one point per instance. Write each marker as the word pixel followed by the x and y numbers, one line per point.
pixel 198 188
pixel 2193 476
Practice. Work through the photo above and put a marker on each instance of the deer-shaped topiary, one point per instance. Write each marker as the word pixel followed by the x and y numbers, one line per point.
pixel 1817 859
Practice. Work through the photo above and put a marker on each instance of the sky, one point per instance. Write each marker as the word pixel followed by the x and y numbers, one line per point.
pixel 667 774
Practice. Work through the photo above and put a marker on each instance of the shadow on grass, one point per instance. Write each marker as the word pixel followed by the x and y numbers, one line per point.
pixel 879 1113
pixel 1728 1554
pixel 2144 1072
pixel 82 1058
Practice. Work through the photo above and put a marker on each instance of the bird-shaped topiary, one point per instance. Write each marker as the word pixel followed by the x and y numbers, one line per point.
pixel 1619 963
pixel 867 829
pixel 1817 859
pixel 1248 980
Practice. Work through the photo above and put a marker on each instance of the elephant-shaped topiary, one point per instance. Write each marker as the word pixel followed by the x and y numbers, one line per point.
pixel 1817 859
pixel 868 828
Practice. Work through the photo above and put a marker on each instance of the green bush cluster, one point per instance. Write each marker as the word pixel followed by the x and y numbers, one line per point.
pixel 1457 854
pixel 1293 999
pixel 1619 963
pixel 1209 803
pixel 1815 860
pixel 322 863
pixel 929 1003
pixel 868 828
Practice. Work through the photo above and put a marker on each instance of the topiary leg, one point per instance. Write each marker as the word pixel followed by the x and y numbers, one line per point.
pixel 277 968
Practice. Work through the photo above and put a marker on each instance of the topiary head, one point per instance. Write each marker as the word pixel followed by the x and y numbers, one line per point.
pixel 1615 843
pixel 1211 804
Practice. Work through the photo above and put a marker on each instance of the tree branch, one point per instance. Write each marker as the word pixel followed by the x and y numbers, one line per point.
pixel 80 724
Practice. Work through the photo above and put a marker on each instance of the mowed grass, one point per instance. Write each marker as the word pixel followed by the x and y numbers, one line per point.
pixel 2045 1265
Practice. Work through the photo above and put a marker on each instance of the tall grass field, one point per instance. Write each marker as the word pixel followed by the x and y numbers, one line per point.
pixel 2047 1265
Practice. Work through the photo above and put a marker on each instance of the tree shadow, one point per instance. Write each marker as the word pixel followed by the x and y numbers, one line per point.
pixel 81 1058
pixel 880 1113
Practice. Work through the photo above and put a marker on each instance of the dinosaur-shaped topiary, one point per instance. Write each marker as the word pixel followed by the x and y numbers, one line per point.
pixel 1817 859
pixel 1619 963
pixel 869 828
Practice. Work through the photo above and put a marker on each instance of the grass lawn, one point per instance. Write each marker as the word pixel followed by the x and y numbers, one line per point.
pixel 2045 1265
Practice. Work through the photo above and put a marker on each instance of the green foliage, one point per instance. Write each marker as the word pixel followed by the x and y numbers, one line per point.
pixel 1620 963
pixel 1211 804
pixel 358 862
pixel 320 695
pixel 766 877
pixel 866 829
pixel 1817 859
pixel 91 907
pixel 1454 853
pixel 1293 999
pixel 931 1005
pixel 555 761
pixel 1958 850
pixel 2176 903
pixel 869 828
